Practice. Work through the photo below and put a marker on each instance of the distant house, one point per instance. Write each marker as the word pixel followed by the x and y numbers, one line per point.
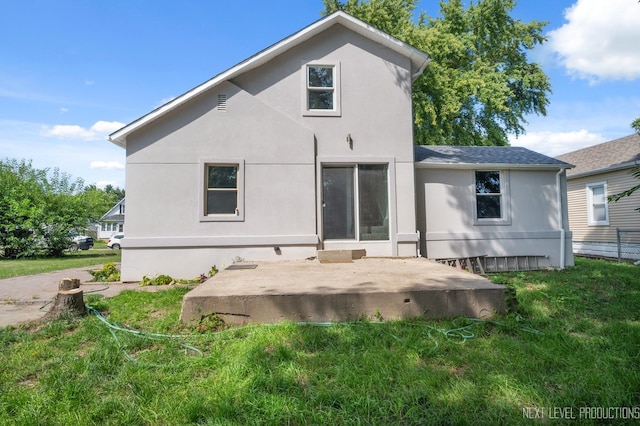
pixel 112 221
pixel 601 171
pixel 308 146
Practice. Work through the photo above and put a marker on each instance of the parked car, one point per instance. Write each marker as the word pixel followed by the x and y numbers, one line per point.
pixel 114 241
pixel 81 242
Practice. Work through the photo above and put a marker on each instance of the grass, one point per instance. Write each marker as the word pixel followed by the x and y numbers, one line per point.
pixel 97 255
pixel 575 343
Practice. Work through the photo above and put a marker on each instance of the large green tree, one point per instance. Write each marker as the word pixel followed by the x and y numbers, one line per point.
pixel 480 85
pixel 40 209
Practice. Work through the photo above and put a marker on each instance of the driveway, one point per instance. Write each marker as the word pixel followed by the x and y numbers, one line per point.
pixel 24 298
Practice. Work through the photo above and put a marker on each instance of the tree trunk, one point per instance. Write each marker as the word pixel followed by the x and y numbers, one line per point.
pixel 69 284
pixel 69 300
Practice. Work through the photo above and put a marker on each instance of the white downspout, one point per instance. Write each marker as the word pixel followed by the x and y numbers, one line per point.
pixel 560 220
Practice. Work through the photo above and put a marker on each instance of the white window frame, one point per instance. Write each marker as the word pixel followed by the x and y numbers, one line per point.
pixel 336 111
pixel 505 199
pixel 238 216
pixel 590 204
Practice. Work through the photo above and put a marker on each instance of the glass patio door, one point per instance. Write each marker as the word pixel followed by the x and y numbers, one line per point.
pixel 338 212
pixel 355 202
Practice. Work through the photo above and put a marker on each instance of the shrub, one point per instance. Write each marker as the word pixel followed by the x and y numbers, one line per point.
pixel 108 273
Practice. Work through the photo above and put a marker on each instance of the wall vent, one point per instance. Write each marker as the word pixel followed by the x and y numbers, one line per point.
pixel 222 103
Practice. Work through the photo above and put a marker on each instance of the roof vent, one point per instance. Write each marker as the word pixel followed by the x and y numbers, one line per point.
pixel 222 103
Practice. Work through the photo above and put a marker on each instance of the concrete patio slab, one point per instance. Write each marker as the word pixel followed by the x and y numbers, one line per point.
pixel 391 288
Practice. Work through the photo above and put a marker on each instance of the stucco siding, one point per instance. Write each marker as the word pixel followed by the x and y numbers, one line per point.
pixel 622 214
pixel 257 120
pixel 450 229
pixel 375 85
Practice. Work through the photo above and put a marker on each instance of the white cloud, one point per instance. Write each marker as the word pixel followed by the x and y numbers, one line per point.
pixel 102 183
pixel 557 143
pixel 599 41
pixel 106 165
pixel 106 127
pixel 96 132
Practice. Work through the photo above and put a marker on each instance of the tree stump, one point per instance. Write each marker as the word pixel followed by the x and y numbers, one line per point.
pixel 68 301
pixel 69 284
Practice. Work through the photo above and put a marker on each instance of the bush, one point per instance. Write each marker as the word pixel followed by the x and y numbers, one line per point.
pixel 108 273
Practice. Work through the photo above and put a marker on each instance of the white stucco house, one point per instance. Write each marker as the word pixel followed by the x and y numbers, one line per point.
pixel 308 146
pixel 112 222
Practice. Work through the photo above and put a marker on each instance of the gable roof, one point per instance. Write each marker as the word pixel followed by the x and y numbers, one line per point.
pixel 419 61
pixel 605 157
pixel 485 156
pixel 115 213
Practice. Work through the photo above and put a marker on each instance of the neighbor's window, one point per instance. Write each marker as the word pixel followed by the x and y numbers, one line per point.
pixel 322 89
pixel 488 195
pixel 223 195
pixel 598 210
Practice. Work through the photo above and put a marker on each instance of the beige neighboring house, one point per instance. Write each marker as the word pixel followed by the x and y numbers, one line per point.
pixel 601 171
pixel 308 146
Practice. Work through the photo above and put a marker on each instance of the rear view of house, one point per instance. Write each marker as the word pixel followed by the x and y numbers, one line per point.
pixel 308 146
pixel 601 171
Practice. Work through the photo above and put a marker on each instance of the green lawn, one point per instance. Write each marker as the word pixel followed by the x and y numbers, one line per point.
pixel 99 254
pixel 573 349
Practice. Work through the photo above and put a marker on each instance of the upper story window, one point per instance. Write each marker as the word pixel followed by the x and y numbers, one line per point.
pixel 322 89
pixel 492 203
pixel 223 195
pixel 597 207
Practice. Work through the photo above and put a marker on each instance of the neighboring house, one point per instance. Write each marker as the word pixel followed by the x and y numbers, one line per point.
pixel 112 222
pixel 601 171
pixel 308 145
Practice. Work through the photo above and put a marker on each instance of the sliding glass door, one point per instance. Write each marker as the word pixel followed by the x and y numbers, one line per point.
pixel 355 202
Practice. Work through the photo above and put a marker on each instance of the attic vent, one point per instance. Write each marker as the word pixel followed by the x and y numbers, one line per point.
pixel 222 103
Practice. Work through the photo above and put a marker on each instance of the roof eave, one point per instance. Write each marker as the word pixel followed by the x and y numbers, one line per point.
pixel 493 166
pixel 419 61
pixel 610 169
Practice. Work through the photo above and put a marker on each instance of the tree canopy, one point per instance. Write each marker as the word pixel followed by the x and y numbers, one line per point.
pixel 41 209
pixel 635 172
pixel 479 86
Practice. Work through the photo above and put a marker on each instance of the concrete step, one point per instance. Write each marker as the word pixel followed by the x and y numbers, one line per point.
pixel 340 256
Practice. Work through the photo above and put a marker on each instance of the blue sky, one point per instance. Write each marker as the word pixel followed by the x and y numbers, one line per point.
pixel 71 72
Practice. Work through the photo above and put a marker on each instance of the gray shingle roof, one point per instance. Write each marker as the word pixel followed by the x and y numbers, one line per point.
pixel 470 155
pixel 608 155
